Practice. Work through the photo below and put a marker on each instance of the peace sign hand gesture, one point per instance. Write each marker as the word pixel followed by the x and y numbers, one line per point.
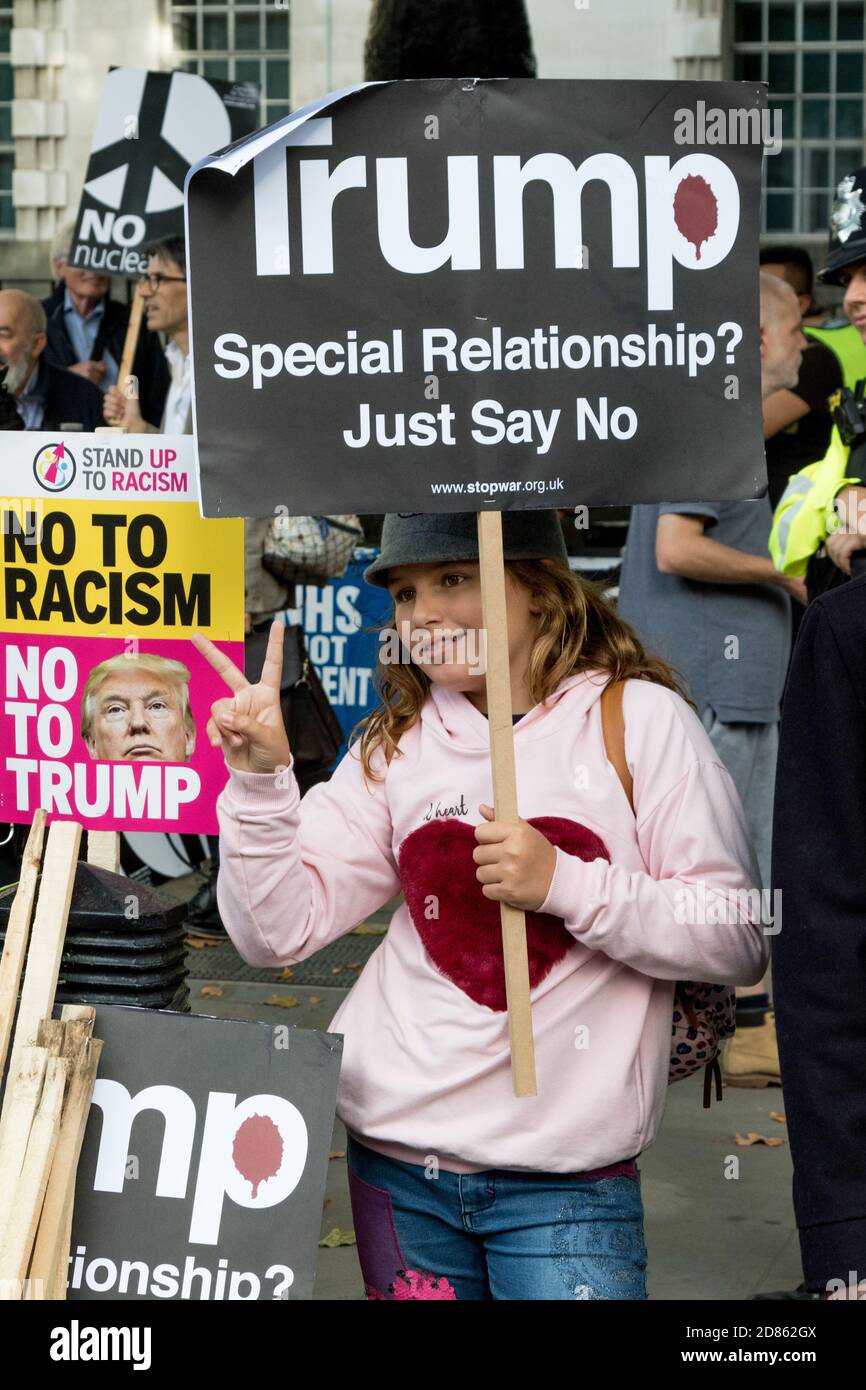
pixel 249 727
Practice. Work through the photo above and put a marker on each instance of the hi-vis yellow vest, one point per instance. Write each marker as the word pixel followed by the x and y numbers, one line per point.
pixel 805 515
pixel 847 346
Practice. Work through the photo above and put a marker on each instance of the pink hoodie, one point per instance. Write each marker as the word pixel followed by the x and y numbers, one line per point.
pixel 426 1067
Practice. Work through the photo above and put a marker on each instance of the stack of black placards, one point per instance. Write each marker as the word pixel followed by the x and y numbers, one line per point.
pixel 124 943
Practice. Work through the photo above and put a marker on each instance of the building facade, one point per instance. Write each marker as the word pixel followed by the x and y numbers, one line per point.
pixel 54 55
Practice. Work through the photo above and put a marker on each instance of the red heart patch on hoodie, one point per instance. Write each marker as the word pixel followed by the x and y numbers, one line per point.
pixel 464 940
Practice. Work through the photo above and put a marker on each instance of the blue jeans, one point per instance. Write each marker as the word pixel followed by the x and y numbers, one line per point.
pixel 497 1234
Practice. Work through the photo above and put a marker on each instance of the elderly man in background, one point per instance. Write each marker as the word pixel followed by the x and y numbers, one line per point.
pixel 87 330
pixel 46 397
pixel 797 419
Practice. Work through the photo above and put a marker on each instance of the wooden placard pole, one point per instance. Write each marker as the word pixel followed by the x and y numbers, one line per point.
pixel 498 680
pixel 133 328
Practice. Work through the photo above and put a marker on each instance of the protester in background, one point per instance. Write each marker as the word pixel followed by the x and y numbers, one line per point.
pixel 797 420
pixel 819 956
pixel 163 290
pixel 264 595
pixel 699 586
pixel 846 266
pixel 794 265
pixel 46 397
pixel 803 531
pixel 87 330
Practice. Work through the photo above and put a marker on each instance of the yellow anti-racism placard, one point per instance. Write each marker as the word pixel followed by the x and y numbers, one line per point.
pixel 105 699
pixel 117 569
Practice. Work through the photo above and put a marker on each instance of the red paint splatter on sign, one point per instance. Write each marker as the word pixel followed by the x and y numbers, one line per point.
pixel 696 212
pixel 257 1151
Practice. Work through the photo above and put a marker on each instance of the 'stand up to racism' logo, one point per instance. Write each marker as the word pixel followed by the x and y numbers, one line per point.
pixel 54 467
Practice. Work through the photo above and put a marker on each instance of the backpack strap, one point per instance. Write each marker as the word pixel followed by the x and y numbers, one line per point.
pixel 613 732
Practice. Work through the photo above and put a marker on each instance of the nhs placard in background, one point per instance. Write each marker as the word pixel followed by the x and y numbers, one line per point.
pixel 341 621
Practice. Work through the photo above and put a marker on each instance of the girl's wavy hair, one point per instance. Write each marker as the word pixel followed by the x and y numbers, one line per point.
pixel 578 630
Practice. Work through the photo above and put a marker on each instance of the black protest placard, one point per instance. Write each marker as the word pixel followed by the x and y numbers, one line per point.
pixel 205 1159
pixel 441 295
pixel 150 127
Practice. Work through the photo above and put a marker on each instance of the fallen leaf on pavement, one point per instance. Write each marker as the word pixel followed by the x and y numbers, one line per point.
pixel 314 998
pixel 355 965
pixel 335 969
pixel 338 1237
pixel 282 1001
pixel 777 1115
pixel 198 943
pixel 285 974
pixel 337 1153
pixel 215 991
pixel 365 930
pixel 752 1138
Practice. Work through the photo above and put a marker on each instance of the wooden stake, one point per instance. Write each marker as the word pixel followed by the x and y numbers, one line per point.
pixel 103 849
pixel 18 932
pixel 29 1192
pixel 68 1013
pixel 50 1252
pixel 46 944
pixel 72 1012
pixel 498 682
pixel 57 1292
pixel 23 1089
pixel 52 1036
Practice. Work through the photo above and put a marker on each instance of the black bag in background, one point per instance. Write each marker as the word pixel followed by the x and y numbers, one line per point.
pixel 313 730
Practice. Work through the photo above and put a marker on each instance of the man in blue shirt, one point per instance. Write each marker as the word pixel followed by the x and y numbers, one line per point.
pixel 87 330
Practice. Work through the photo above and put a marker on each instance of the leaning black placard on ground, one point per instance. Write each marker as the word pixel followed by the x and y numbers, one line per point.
pixel 151 126
pixel 205 1159
pixel 454 294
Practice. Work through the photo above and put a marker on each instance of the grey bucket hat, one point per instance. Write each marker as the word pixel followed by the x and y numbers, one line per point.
pixel 419 538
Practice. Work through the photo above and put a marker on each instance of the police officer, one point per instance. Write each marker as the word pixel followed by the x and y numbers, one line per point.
pixel 797 524
pixel 846 266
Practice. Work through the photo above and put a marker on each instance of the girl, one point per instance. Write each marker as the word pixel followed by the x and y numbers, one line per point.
pixel 459 1189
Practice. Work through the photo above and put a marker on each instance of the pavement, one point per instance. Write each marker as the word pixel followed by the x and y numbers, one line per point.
pixel 719 1221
